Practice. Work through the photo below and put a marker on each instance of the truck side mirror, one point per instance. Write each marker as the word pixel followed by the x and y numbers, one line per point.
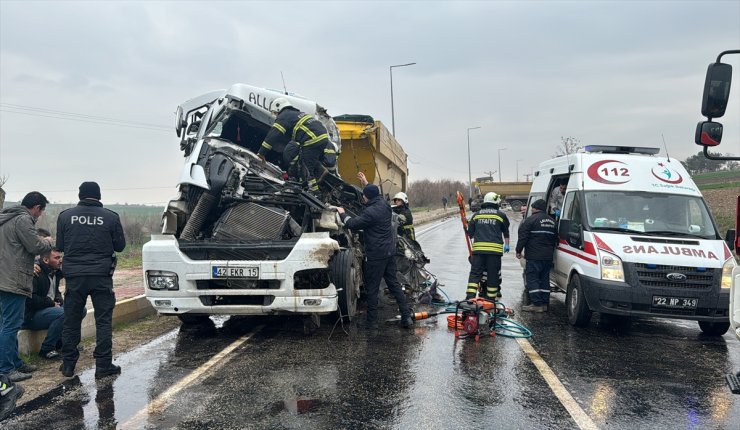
pixel 708 133
pixel 716 90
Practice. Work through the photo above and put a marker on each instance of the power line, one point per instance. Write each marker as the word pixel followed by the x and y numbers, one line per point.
pixel 67 113
pixel 100 122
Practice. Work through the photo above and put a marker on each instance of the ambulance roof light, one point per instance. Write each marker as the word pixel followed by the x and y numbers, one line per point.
pixel 621 149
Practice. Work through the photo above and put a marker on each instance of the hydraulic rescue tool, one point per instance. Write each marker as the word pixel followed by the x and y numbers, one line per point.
pixel 474 318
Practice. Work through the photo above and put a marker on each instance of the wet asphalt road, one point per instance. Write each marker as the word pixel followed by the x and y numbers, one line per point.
pixel 653 373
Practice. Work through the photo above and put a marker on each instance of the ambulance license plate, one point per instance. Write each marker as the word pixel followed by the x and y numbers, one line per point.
pixel 675 302
pixel 221 272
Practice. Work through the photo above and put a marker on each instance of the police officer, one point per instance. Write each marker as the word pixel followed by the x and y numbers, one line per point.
pixel 405 219
pixel 89 236
pixel 303 129
pixel 489 230
pixel 538 237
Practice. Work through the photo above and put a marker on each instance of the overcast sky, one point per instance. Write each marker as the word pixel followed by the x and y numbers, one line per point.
pixel 526 72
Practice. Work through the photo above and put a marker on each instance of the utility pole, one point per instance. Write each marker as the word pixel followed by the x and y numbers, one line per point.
pixel 490 174
pixel 527 176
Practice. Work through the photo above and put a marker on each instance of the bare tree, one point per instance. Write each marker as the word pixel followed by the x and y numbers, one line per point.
pixel 3 180
pixel 568 145
pixel 426 193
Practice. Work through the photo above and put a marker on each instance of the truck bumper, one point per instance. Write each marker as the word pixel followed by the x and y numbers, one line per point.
pixel 272 293
pixel 619 298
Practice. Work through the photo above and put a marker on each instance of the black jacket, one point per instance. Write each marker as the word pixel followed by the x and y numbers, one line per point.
pixel 41 285
pixel 293 125
pixel 375 221
pixel 538 235
pixel 487 228
pixel 89 235
pixel 405 222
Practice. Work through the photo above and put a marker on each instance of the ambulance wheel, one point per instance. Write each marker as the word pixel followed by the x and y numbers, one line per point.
pixel 579 314
pixel 714 328
pixel 346 275
pixel 188 319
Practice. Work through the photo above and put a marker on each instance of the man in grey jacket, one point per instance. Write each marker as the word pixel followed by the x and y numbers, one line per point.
pixel 19 243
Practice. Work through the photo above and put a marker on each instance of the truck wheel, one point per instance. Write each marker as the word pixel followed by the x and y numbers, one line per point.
pixel 579 314
pixel 347 277
pixel 516 205
pixel 188 319
pixel 714 328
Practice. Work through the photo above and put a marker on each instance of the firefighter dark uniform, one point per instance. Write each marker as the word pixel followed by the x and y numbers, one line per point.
pixel 89 235
pixel 487 228
pixel 405 221
pixel 307 132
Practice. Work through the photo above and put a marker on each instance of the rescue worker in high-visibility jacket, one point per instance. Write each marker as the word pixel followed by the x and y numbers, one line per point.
pixel 405 219
pixel 489 230
pixel 303 129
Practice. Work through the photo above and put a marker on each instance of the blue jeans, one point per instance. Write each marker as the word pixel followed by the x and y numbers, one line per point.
pixel 538 281
pixel 12 308
pixel 52 320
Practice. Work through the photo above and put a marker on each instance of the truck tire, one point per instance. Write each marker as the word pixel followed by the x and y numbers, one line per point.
pixel 516 205
pixel 714 328
pixel 188 319
pixel 579 314
pixel 346 274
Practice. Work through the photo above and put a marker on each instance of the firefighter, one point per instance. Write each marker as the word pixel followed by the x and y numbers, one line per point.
pixel 489 230
pixel 405 219
pixel 303 129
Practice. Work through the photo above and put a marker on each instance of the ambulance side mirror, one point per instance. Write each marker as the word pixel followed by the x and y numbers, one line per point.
pixel 571 232
pixel 730 240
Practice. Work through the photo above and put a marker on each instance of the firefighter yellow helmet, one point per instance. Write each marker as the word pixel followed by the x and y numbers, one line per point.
pixel 492 198
pixel 279 104
pixel 401 196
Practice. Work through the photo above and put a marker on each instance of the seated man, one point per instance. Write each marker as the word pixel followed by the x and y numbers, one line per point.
pixel 44 309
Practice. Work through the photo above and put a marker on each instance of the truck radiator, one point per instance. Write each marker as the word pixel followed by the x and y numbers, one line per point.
pixel 250 221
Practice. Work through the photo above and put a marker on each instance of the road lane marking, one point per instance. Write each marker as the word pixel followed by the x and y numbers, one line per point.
pixel 579 415
pixel 161 401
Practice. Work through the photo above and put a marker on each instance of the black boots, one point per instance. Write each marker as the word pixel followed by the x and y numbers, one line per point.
pixel 111 369
pixel 68 370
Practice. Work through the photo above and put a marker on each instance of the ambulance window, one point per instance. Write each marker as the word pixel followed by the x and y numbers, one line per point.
pixel 572 208
pixel 533 198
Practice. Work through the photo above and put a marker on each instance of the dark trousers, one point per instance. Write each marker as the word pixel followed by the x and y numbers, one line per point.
pixel 310 158
pixel 100 289
pixel 373 272
pixel 491 264
pixel 538 281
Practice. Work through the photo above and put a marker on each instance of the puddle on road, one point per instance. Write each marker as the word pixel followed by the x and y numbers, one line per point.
pixel 297 406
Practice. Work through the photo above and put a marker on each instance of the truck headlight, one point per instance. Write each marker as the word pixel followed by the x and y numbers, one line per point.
pixel 611 267
pixel 727 273
pixel 162 280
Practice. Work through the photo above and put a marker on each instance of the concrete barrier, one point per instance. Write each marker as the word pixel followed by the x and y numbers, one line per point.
pixel 127 310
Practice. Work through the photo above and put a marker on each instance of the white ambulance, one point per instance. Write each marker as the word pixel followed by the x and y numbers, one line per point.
pixel 636 238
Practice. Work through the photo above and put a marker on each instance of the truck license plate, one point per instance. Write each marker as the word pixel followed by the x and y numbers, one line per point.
pixel 218 272
pixel 674 302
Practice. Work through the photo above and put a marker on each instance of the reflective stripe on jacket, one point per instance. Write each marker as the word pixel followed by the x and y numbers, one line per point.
pixel 293 125
pixel 487 228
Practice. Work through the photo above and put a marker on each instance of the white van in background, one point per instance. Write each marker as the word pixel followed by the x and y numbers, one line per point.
pixel 636 238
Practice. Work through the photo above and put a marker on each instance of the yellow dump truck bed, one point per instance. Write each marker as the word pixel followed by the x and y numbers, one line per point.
pixel 368 147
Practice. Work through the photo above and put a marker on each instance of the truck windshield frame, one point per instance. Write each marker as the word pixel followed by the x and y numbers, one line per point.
pixel 653 214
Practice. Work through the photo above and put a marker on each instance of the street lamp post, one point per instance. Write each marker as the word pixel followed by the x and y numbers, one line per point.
pixel 393 119
pixel 499 163
pixel 517 169
pixel 470 177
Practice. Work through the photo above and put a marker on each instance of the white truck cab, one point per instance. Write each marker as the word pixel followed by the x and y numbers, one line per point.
pixel 635 238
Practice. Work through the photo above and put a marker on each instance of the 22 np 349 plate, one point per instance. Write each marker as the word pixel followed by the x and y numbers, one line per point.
pixel 675 302
pixel 239 272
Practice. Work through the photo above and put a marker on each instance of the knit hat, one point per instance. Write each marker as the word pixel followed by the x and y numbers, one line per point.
pixel 89 190
pixel 540 205
pixel 371 191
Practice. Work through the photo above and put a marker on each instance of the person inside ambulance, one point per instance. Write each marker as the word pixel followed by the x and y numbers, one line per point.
pixel 555 203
